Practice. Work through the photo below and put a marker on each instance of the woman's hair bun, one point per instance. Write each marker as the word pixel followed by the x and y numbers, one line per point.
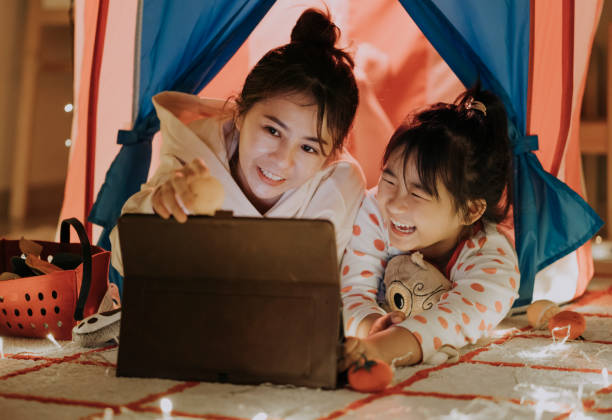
pixel 315 27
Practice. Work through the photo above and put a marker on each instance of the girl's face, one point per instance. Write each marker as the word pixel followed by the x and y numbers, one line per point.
pixel 414 219
pixel 279 148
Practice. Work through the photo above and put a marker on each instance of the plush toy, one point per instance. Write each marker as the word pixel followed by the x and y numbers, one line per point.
pixel 209 195
pixel 103 326
pixel 97 329
pixel 413 285
pixel 540 312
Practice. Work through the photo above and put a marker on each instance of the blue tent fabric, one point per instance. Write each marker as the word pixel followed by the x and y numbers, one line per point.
pixel 206 34
pixel 489 41
pixel 459 37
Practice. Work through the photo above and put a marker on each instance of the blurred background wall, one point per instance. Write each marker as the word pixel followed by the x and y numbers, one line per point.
pixel 36 54
pixel 597 96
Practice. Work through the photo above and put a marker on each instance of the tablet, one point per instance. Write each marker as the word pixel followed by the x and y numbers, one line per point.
pixel 230 299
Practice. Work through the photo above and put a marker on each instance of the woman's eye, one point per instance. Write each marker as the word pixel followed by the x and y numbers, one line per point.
pixel 272 131
pixel 309 149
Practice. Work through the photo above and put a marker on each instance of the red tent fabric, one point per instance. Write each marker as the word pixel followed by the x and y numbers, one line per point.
pixel 401 72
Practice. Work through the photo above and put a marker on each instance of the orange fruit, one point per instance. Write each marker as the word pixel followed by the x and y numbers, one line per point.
pixel 370 375
pixel 567 323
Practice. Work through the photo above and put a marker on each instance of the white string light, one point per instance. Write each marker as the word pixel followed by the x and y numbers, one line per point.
pixel 52 339
pixel 68 108
pixel 260 416
pixel 604 374
pixel 539 409
pixel 1 349
pixel 567 328
pixel 166 407
pixel 548 398
pixel 68 142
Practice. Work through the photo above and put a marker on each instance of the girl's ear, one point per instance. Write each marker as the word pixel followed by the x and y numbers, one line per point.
pixel 476 209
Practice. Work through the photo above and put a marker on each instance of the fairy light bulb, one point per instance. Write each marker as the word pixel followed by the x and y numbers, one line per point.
pixel 557 334
pixel 166 407
pixel 52 339
pixel 68 108
pixel 260 416
pixel 539 409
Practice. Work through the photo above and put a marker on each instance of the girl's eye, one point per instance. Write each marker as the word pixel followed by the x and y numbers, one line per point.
pixel 272 131
pixel 422 196
pixel 388 181
pixel 309 149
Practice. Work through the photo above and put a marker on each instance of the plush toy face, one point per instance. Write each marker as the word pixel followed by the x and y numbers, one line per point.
pixel 413 285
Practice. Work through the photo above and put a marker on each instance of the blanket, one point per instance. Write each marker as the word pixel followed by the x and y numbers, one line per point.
pixel 517 372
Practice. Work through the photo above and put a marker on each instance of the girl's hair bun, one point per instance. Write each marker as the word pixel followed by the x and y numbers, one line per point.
pixel 315 27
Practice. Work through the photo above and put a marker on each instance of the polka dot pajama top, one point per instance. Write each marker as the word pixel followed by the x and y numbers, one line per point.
pixel 483 271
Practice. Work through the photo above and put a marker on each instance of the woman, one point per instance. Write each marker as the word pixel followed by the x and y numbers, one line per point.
pixel 278 152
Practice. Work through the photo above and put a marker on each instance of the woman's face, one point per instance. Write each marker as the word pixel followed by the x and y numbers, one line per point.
pixel 279 147
pixel 414 219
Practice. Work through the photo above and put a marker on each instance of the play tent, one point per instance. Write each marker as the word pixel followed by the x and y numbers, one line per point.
pixel 533 54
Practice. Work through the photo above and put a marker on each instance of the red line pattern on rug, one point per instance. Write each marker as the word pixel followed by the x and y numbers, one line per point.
pixel 590 302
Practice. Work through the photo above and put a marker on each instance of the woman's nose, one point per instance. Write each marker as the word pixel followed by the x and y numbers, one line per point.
pixel 283 156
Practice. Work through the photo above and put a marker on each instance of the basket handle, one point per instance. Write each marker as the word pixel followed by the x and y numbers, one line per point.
pixel 86 254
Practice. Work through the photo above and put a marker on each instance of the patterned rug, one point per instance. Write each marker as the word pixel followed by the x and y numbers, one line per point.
pixel 516 373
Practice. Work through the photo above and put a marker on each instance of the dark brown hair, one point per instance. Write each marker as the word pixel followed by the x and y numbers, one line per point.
pixel 312 65
pixel 466 148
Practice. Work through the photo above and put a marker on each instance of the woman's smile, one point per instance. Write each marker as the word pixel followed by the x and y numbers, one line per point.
pixel 280 147
pixel 269 178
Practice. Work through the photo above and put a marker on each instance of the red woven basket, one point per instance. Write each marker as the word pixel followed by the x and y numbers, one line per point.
pixel 53 303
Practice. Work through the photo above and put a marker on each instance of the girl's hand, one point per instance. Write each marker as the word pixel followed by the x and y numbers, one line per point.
pixel 190 189
pixel 394 346
pixel 354 350
pixel 386 321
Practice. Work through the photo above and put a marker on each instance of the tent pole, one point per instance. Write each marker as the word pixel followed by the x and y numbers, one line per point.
pixel 609 136
pixel 92 110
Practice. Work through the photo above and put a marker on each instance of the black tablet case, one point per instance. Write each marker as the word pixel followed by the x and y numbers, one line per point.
pixel 241 300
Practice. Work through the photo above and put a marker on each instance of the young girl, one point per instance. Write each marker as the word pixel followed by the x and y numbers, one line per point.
pixel 442 192
pixel 278 152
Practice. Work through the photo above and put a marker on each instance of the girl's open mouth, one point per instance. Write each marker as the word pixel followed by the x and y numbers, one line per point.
pixel 401 229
